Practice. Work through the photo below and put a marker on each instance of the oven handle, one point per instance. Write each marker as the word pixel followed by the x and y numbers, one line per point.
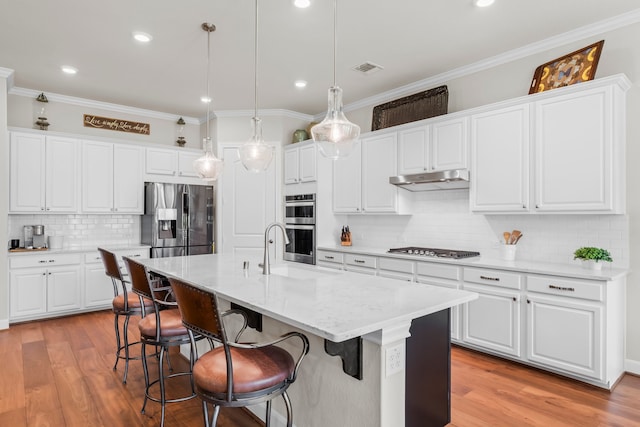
pixel 299 227
pixel 301 203
pixel 297 221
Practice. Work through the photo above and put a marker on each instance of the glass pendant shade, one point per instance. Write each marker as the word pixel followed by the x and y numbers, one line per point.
pixel 208 167
pixel 255 155
pixel 335 134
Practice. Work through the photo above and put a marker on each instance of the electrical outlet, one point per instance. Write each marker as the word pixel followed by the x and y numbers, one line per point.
pixel 394 359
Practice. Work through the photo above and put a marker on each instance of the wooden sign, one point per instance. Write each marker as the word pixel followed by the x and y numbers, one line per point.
pixel 116 124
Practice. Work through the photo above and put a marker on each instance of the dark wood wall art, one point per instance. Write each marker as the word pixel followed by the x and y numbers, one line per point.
pixel 575 67
pixel 98 122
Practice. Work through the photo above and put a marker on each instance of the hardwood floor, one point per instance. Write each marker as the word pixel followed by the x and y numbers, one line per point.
pixel 58 373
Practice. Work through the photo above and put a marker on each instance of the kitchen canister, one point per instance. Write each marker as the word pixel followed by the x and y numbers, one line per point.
pixel 508 252
pixel 56 242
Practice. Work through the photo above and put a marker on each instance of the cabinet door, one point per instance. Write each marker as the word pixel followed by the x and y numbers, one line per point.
pixel 28 290
pixel 291 174
pixel 379 162
pixel 97 177
pixel 161 162
pixel 454 312
pixel 307 163
pixel 62 171
pixel 573 147
pixel 185 164
pixel 27 173
pixel 63 289
pixel 128 184
pixel 565 334
pixel 449 141
pixel 98 289
pixel 347 182
pixel 413 150
pixel 500 160
pixel 493 320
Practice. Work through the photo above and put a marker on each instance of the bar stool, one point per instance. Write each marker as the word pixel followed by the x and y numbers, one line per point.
pixel 163 328
pixel 235 375
pixel 124 304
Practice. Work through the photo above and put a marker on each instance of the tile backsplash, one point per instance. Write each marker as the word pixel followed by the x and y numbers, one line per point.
pixel 442 219
pixel 81 231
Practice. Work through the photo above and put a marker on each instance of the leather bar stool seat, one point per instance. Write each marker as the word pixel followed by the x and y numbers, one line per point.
pixel 170 321
pixel 254 369
pixel 133 303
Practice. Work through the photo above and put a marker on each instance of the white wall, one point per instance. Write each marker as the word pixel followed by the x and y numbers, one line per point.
pixel 444 220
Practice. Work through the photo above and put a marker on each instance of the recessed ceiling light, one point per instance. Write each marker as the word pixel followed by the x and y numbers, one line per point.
pixel 483 3
pixel 142 37
pixel 68 69
pixel 301 3
pixel 300 84
pixel 205 99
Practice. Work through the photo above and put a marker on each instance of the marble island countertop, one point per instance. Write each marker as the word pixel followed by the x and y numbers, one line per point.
pixel 574 270
pixel 335 305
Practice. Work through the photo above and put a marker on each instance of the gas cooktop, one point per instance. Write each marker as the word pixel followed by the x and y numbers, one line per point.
pixel 432 252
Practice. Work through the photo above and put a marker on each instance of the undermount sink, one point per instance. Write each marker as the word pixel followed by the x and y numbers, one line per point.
pixel 304 273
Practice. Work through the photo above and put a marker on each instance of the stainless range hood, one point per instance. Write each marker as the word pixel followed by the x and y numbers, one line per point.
pixel 430 181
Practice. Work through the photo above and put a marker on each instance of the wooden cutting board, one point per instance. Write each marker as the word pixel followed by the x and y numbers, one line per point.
pixel 28 250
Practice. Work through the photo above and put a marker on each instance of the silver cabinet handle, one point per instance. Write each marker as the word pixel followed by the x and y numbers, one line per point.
pixel 560 288
pixel 328 257
pixel 52 260
pixel 493 279
pixel 359 261
pixel 42 261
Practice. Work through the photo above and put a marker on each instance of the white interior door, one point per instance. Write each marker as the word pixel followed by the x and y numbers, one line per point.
pixel 247 203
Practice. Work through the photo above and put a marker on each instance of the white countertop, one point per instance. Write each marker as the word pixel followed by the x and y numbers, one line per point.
pixel 529 267
pixel 332 304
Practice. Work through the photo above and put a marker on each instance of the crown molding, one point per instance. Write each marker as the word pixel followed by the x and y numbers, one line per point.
pixel 7 73
pixel 577 34
pixel 82 102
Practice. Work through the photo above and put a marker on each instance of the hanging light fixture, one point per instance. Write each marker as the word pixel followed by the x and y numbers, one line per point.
pixel 335 134
pixel 208 167
pixel 254 154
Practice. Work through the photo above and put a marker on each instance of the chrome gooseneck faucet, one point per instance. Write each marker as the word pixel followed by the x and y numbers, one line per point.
pixel 266 268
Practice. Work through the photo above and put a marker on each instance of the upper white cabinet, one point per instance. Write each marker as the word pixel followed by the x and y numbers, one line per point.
pixel 44 174
pixel 438 146
pixel 361 180
pixel 164 163
pixel 112 178
pixel 561 151
pixel 500 160
pixel 300 163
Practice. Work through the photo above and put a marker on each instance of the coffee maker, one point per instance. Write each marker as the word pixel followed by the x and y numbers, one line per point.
pixel 39 239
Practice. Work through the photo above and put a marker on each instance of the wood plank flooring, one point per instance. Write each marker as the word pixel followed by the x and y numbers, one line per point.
pixel 59 373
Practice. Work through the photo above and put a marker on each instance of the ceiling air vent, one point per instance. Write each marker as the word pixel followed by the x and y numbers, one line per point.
pixel 368 68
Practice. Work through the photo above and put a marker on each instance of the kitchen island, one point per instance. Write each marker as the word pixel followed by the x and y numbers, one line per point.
pixel 366 320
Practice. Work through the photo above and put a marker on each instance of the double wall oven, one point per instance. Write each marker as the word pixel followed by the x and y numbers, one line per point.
pixel 300 224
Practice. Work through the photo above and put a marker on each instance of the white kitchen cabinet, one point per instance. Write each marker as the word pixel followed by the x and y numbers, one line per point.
pixel 440 145
pixel 560 151
pixel 364 264
pixel 300 163
pixel 493 321
pixel 163 163
pixel 394 268
pixel 347 180
pixel 43 285
pixel 500 160
pixel 112 178
pixel 578 147
pixel 43 174
pixel 329 259
pixel 445 276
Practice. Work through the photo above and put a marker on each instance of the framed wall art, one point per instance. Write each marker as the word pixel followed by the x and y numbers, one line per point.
pixel 575 67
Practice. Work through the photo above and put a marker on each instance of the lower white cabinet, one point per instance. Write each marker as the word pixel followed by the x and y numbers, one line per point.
pixel 98 288
pixel 444 276
pixel 329 259
pixel 44 284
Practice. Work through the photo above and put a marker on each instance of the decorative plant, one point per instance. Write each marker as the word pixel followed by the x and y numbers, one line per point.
pixel 589 253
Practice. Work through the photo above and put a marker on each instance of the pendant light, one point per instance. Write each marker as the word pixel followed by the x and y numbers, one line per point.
pixel 335 134
pixel 254 154
pixel 208 167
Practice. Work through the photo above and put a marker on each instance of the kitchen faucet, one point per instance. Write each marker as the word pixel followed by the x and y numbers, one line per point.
pixel 266 268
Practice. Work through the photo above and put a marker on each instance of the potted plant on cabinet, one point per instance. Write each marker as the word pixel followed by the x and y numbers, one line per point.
pixel 593 257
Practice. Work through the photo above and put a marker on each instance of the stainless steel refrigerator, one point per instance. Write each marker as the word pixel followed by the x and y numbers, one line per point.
pixel 178 219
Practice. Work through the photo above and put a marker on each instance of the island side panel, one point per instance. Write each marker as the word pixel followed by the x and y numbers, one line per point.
pixel 428 372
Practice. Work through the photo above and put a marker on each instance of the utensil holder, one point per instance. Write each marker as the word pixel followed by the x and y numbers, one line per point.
pixel 508 252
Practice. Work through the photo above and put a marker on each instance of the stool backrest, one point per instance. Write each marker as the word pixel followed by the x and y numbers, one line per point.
pixel 199 310
pixel 139 278
pixel 110 264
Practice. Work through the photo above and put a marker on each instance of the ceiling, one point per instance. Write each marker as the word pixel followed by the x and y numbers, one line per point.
pixel 412 39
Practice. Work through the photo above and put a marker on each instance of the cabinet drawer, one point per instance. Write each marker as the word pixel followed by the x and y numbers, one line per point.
pixel 327 256
pixel 438 270
pixel 360 260
pixel 566 287
pixel 94 257
pixel 400 265
pixel 44 260
pixel 493 278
